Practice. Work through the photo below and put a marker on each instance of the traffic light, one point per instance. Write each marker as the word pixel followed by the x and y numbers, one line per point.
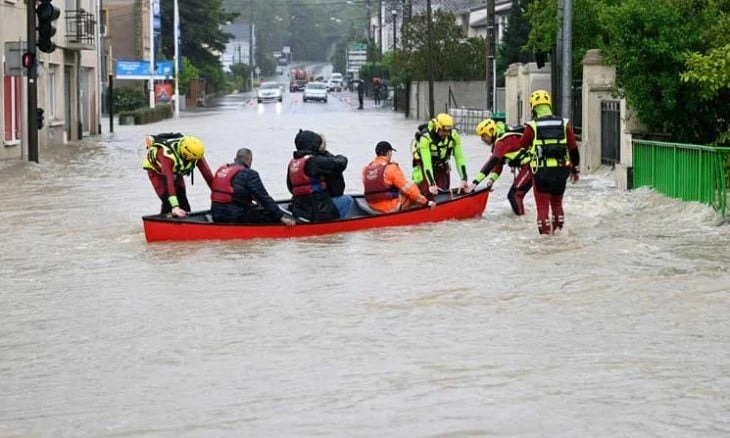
pixel 39 118
pixel 46 14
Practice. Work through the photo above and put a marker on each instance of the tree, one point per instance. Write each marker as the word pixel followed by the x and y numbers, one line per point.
pixel 453 54
pixel 201 35
pixel 589 30
pixel 649 43
pixel 514 42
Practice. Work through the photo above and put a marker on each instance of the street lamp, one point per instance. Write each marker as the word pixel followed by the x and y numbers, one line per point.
pixel 395 15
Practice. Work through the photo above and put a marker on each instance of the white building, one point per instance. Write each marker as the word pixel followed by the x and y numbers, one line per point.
pixel 238 48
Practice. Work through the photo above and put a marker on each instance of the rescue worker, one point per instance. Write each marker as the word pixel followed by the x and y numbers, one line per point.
pixel 386 188
pixel 238 194
pixel 554 156
pixel 315 180
pixel 505 150
pixel 170 156
pixel 435 143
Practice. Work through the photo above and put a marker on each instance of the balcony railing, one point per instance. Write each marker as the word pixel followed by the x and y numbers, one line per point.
pixel 80 30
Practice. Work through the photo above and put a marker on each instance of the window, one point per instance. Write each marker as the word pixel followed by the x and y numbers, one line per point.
pixel 52 89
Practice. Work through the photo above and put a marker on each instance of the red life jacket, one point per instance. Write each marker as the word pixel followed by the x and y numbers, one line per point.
pixel 373 178
pixel 301 184
pixel 222 187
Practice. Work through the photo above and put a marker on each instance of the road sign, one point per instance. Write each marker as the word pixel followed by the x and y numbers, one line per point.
pixel 14 57
pixel 141 70
pixel 257 70
pixel 357 55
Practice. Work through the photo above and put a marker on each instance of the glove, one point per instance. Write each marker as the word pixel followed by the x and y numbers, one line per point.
pixel 179 212
pixel 431 205
pixel 489 184
pixel 575 174
pixel 434 189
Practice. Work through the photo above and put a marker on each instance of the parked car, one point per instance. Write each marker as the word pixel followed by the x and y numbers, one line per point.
pixel 315 91
pixel 270 91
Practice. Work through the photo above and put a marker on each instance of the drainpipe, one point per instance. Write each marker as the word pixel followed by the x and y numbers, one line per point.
pixel 99 70
pixel 79 125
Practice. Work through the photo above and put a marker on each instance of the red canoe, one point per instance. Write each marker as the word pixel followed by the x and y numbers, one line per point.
pixel 199 225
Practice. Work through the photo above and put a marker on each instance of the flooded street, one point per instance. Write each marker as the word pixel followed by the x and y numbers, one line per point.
pixel 616 327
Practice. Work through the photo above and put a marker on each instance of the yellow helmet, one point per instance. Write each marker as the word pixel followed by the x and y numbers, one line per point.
pixel 487 127
pixel 191 148
pixel 443 121
pixel 540 97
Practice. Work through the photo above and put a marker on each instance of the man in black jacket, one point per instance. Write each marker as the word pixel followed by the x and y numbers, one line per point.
pixel 315 180
pixel 238 195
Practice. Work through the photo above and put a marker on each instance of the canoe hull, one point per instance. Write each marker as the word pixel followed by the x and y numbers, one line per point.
pixel 162 228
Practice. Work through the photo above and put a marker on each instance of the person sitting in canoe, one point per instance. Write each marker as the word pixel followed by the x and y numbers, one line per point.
pixel 239 196
pixel 386 188
pixel 315 180
pixel 170 156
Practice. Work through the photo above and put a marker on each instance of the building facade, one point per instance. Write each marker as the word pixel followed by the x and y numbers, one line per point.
pixel 68 78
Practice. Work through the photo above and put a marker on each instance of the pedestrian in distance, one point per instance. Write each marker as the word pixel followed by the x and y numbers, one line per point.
pixel 316 181
pixel 554 157
pixel 505 150
pixel 360 93
pixel 435 143
pixel 238 195
pixel 170 157
pixel 386 188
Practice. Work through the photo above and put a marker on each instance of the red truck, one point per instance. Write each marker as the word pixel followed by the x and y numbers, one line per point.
pixel 298 79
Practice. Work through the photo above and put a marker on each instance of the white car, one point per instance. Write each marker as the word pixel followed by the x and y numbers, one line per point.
pixel 315 91
pixel 334 85
pixel 270 91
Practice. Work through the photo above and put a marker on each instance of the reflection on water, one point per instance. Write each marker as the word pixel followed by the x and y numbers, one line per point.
pixel 616 327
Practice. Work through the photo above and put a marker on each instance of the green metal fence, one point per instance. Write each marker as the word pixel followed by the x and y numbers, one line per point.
pixel 685 171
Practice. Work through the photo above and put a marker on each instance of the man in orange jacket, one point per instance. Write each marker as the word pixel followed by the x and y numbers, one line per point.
pixel 386 188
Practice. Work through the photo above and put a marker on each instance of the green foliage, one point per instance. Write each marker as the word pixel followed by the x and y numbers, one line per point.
pixel 455 57
pixel 148 115
pixel 188 73
pixel 129 99
pixel 649 44
pixel 514 42
pixel 710 72
pixel 374 70
pixel 201 35
pixel 589 30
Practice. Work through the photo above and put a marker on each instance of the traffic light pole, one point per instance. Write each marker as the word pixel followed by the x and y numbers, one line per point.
pixel 31 115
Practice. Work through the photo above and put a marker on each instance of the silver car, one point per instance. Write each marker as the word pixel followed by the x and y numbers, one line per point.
pixel 315 91
pixel 270 91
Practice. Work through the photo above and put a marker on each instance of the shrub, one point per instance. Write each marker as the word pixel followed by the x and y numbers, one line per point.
pixel 143 116
pixel 129 99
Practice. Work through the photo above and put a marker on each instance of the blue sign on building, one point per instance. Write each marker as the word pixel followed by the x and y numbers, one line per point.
pixel 141 70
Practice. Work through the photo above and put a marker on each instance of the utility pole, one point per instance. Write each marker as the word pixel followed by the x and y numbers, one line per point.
pixel 556 62
pixel 251 61
pixel 380 29
pixel 429 32
pixel 151 85
pixel 176 34
pixel 31 122
pixel 491 45
pixel 567 77
pixel 370 30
